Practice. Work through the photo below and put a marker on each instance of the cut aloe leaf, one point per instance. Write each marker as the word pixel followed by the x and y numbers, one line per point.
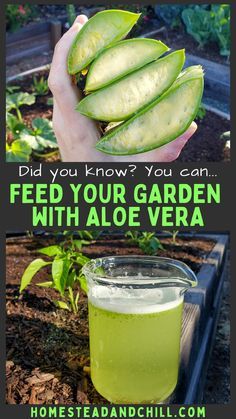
pixel 101 30
pixel 162 121
pixel 121 59
pixel 120 100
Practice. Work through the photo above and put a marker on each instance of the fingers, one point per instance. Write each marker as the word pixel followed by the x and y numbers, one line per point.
pixel 59 81
pixel 170 151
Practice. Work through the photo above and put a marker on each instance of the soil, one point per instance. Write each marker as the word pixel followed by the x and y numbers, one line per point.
pixel 179 39
pixel 205 145
pixel 47 348
pixel 217 388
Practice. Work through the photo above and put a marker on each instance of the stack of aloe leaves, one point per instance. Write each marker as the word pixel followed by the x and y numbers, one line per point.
pixel 134 85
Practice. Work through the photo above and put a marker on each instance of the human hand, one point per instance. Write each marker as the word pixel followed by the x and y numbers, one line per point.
pixel 77 134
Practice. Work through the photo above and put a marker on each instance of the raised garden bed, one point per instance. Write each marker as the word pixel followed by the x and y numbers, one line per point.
pixel 48 349
pixel 25 41
pixel 205 145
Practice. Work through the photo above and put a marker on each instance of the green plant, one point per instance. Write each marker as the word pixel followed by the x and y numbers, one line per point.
pixel 40 86
pixel 15 100
pixel 221 31
pixel 146 241
pixel 33 140
pixel 12 89
pixel 79 238
pixel 211 25
pixel 18 151
pixel 173 234
pixel 17 15
pixel 201 113
pixel 41 136
pixel 14 126
pixel 65 265
pixel 50 101
pixel 71 14
pixel 171 15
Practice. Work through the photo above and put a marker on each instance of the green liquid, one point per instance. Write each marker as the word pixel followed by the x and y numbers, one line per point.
pixel 135 357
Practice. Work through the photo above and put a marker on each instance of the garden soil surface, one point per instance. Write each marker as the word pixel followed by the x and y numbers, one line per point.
pixel 47 348
pixel 205 145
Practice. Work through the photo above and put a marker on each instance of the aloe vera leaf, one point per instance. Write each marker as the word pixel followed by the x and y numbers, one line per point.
pixel 162 121
pixel 121 59
pixel 120 100
pixel 101 30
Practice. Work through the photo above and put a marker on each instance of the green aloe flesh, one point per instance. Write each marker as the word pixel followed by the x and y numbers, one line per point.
pixel 121 59
pixel 162 121
pixel 120 100
pixel 100 31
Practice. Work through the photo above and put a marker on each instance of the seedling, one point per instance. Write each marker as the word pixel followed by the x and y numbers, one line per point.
pixel 173 234
pixel 40 86
pixel 146 241
pixel 201 113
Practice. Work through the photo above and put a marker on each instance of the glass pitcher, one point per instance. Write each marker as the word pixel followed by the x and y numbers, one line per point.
pixel 135 315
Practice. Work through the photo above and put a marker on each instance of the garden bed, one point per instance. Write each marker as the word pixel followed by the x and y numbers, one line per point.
pixel 48 348
pixel 176 37
pixel 205 145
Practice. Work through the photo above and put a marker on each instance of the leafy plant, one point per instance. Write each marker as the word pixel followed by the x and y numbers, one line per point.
pixel 12 89
pixel 170 14
pixel 15 100
pixel 34 140
pixel 18 151
pixel 221 32
pixel 146 241
pixel 211 25
pixel 14 126
pixel 37 138
pixel 65 265
pixel 71 14
pixel 41 135
pixel 17 15
pixel 201 113
pixel 40 86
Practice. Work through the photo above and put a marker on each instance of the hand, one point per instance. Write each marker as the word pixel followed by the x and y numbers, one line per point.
pixel 76 134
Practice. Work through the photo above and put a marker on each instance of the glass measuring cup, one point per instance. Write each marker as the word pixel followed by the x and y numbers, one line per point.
pixel 135 315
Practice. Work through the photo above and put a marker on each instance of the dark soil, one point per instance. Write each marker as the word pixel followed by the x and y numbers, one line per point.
pixel 205 145
pixel 217 388
pixel 48 348
pixel 176 38
pixel 179 39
